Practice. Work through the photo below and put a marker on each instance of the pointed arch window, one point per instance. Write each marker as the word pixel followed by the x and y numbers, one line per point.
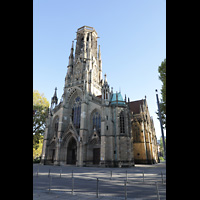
pixel 96 120
pixel 76 113
pixel 121 118
pixel 55 126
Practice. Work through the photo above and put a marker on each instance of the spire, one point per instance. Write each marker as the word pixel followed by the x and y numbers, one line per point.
pixel 105 79
pixel 55 93
pixel 72 44
pixel 54 99
pixel 71 57
pixel 100 64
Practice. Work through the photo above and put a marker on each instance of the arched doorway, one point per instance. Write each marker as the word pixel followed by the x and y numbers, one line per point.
pixel 71 152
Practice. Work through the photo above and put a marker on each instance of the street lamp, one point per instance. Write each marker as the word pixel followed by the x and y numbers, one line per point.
pixel 161 126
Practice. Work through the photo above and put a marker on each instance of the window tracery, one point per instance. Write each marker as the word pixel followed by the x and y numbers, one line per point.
pixel 96 122
pixel 55 126
pixel 76 113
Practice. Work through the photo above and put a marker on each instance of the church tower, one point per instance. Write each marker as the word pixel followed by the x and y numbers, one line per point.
pixel 85 68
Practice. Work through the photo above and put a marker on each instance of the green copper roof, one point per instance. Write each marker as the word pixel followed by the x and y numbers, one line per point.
pixel 120 99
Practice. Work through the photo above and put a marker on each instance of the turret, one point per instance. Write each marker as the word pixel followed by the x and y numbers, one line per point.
pixel 54 99
pixel 100 64
pixel 71 57
pixel 105 90
pixel 71 60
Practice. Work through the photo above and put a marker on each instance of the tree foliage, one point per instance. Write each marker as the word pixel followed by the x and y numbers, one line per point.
pixel 38 151
pixel 161 146
pixel 40 111
pixel 162 77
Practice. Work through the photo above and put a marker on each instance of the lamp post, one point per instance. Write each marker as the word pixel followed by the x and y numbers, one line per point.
pixel 161 126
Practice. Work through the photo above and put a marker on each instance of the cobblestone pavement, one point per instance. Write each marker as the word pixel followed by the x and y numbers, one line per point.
pixel 56 182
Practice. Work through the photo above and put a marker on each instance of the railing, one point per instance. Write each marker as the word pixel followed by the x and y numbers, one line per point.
pixel 86 27
pixel 110 183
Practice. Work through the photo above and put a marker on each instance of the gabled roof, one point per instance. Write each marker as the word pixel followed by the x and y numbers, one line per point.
pixel 135 106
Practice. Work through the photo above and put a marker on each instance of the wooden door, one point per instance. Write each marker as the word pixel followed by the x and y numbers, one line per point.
pixel 96 156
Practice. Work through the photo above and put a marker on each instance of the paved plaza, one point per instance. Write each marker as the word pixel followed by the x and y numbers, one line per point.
pixel 73 183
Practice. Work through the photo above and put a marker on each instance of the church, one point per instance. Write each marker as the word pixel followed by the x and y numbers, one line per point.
pixel 92 125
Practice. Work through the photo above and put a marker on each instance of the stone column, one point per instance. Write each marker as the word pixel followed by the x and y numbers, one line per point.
pixel 82 135
pixel 58 139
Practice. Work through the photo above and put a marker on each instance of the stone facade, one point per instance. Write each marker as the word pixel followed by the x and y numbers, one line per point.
pixel 91 125
pixel 144 137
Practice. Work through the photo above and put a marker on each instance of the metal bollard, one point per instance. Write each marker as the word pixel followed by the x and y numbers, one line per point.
pixel 60 172
pixel 143 176
pixel 126 176
pixel 158 196
pixel 125 189
pixel 72 174
pixel 97 192
pixel 162 177
pixel 110 174
pixel 50 180
pixel 72 185
pixel 49 172
pixel 38 171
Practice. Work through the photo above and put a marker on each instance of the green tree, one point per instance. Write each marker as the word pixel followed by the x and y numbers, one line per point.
pixel 38 151
pixel 40 111
pixel 162 77
pixel 161 146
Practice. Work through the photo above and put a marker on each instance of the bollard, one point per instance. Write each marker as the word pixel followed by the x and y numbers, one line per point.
pixel 143 176
pixel 126 176
pixel 38 171
pixel 72 185
pixel 72 174
pixel 49 172
pixel 50 180
pixel 158 196
pixel 97 192
pixel 162 177
pixel 110 174
pixel 60 172
pixel 125 189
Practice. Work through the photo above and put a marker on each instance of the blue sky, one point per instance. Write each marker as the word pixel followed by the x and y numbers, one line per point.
pixel 132 39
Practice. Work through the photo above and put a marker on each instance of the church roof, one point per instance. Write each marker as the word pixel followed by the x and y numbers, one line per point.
pixel 114 100
pixel 135 106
